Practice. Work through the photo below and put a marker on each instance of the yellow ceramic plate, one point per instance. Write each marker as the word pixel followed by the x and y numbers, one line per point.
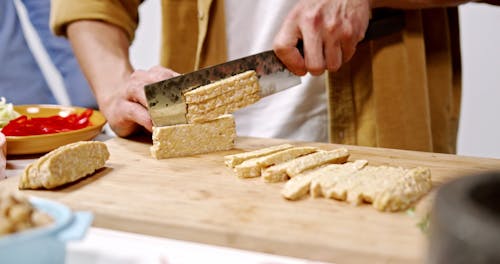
pixel 45 143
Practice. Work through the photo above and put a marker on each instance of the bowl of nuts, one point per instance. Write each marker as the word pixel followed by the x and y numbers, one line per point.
pixel 36 230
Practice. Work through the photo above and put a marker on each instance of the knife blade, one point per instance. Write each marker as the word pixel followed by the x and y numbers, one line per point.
pixel 165 99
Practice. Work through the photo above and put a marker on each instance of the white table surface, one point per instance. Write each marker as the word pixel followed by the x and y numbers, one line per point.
pixel 105 246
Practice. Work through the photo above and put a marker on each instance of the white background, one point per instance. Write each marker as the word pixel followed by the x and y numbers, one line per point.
pixel 480 36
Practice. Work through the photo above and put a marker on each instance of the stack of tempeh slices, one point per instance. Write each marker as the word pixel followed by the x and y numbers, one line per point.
pixel 210 126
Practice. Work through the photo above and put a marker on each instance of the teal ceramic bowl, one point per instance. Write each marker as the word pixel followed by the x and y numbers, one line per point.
pixel 45 244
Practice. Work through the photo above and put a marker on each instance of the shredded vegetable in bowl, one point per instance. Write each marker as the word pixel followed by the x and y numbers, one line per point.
pixel 7 112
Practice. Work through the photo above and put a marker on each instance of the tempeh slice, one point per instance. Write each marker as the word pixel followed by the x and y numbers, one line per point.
pixel 386 188
pixel 301 184
pixel 222 97
pixel 330 175
pixel 298 186
pixel 64 165
pixel 407 189
pixel 252 167
pixel 195 115
pixel 291 168
pixel 222 101
pixel 236 159
pixel 191 139
pixel 218 88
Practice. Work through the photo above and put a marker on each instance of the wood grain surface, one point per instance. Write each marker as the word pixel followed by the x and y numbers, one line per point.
pixel 199 199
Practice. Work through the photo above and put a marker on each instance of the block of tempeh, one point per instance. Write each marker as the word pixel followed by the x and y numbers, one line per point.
pixel 252 167
pixel 236 159
pixel 191 139
pixel 222 97
pixel 289 169
pixel 301 184
pixel 64 165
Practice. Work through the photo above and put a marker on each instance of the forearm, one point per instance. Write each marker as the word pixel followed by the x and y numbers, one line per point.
pixel 102 51
pixel 415 4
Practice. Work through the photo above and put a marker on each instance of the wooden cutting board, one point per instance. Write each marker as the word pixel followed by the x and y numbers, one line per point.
pixel 199 199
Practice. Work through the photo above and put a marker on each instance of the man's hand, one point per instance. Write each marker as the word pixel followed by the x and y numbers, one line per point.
pixel 330 30
pixel 102 51
pixel 126 109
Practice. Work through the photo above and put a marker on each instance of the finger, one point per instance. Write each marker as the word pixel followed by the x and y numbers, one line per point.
pixel 135 86
pixel 138 114
pixel 348 49
pixel 143 78
pixel 333 54
pixel 159 73
pixel 284 46
pixel 349 38
pixel 313 46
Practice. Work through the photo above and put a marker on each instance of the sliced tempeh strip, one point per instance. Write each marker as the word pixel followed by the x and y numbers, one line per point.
pixel 236 159
pixel 291 168
pixel 299 185
pixel 252 167
pixel 330 175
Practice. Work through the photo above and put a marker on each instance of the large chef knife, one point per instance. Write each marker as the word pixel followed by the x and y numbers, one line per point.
pixel 165 98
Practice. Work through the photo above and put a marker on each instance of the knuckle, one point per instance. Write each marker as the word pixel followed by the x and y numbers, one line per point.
pixel 136 74
pixel 347 32
pixel 294 14
pixel 313 18
pixel 156 68
pixel 333 67
pixel 280 48
pixel 360 36
pixel 331 25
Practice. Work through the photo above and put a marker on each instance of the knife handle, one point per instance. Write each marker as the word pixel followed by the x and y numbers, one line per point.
pixel 300 47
